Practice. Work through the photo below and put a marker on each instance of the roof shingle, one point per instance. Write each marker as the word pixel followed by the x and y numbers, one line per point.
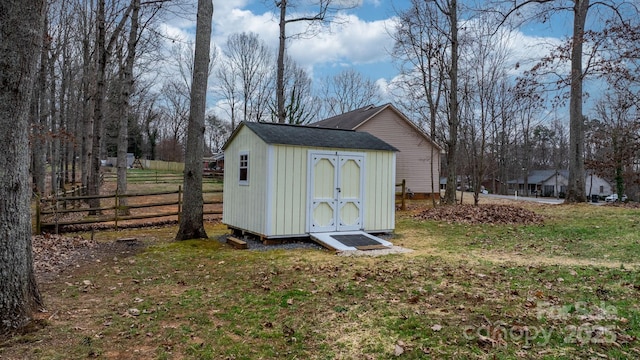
pixel 285 134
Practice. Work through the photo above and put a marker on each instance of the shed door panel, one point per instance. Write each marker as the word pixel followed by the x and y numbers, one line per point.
pixel 350 193
pixel 323 193
pixel 335 192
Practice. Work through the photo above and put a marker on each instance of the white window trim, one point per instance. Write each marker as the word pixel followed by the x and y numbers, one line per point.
pixel 241 153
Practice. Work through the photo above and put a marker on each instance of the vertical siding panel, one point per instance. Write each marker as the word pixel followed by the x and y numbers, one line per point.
pixel 280 176
pixel 299 191
pixel 290 191
pixel 291 175
pixel 245 206
pixel 379 191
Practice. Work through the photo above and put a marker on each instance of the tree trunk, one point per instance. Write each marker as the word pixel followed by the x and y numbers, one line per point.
pixel 87 114
pixel 576 187
pixel 191 220
pixel 123 108
pixel 21 24
pixel 280 65
pixel 39 144
pixel 54 116
pixel 93 186
pixel 450 192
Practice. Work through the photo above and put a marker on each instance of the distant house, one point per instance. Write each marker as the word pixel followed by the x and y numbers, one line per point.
pixel 418 159
pixel 213 165
pixel 552 183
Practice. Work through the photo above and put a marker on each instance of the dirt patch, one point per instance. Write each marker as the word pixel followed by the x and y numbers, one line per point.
pixel 481 214
pixel 53 254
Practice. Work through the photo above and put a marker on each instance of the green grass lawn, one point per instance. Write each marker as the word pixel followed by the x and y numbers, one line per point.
pixel 566 289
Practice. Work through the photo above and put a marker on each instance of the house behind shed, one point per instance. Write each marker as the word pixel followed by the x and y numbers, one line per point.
pixel 289 181
pixel 418 159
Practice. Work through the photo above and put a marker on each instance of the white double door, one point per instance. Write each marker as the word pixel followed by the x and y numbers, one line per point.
pixel 336 182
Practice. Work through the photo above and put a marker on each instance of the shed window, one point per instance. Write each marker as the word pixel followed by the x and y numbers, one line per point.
pixel 244 168
pixel 601 189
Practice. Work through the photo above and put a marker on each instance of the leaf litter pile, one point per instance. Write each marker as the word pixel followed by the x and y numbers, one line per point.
pixel 53 254
pixel 481 214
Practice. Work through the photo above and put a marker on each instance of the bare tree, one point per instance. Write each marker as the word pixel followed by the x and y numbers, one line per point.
pixel 126 87
pixel 103 53
pixel 228 88
pixel 39 124
pixel 615 138
pixel 321 11
pixel 174 112
pixel 432 46
pixel 250 60
pixel 348 90
pixel 219 132
pixel 542 10
pixel 483 58
pixel 421 44
pixel 21 30
pixel 191 220
pixel 300 105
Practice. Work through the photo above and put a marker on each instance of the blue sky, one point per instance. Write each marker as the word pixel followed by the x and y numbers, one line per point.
pixel 361 41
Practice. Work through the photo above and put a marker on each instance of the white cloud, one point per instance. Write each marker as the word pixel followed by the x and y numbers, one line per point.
pixel 176 33
pixel 352 40
pixel 527 50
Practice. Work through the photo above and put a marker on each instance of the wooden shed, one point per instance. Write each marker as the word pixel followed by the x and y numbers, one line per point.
pixel 284 181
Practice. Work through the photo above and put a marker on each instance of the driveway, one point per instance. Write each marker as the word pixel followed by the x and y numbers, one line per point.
pixel 542 200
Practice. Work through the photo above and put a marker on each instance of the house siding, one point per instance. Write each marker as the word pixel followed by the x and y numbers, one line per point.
pixel 275 202
pixel 379 196
pixel 413 162
pixel 594 183
pixel 244 206
pixel 288 191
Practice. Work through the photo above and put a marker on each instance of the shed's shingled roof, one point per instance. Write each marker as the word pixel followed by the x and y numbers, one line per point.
pixel 284 134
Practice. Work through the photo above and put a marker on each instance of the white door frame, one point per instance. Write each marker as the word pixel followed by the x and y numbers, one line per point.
pixel 334 201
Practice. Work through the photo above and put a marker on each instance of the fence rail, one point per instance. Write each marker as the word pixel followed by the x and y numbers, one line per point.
pixel 156 177
pixel 51 211
pixel 53 207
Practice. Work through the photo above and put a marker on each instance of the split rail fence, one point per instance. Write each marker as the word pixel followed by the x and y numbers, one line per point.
pixel 55 212
pixel 52 212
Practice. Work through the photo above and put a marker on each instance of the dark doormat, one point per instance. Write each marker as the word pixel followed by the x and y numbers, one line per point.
pixel 357 240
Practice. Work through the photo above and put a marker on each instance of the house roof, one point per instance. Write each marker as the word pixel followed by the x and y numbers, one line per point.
pixel 352 120
pixel 539 176
pixel 286 134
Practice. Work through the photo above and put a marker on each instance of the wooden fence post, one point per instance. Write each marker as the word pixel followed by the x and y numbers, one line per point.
pixel 55 211
pixel 64 198
pixel 179 202
pixel 117 209
pixel 38 228
pixel 404 194
pixel 76 193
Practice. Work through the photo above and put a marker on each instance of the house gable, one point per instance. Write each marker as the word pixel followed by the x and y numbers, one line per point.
pixel 418 160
